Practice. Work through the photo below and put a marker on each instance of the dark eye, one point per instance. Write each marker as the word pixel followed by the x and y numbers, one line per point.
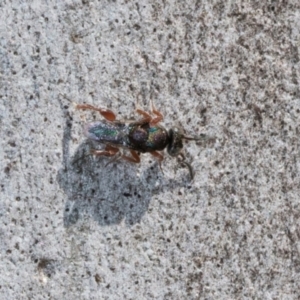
pixel 175 144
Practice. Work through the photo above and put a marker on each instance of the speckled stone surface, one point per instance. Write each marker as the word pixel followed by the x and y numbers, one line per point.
pixel 73 228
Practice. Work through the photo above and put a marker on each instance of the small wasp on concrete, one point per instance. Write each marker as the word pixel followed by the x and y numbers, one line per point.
pixel 144 135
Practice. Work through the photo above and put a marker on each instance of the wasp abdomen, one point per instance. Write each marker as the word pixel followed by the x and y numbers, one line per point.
pixel 107 132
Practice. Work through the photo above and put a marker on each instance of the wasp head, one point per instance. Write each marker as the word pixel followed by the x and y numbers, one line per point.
pixel 176 137
pixel 175 142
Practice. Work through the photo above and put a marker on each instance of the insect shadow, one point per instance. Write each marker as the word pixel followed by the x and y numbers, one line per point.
pixel 108 194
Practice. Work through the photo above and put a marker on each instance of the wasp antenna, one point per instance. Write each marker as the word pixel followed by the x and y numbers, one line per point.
pixel 181 159
pixel 190 168
pixel 195 138
pixel 190 138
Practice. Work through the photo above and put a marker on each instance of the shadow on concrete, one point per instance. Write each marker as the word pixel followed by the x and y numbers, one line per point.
pixel 110 193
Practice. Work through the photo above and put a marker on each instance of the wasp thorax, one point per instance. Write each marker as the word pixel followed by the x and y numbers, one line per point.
pixel 139 134
pixel 175 144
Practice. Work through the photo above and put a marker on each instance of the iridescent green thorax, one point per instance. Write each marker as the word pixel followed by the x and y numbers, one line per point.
pixel 147 139
pixel 157 137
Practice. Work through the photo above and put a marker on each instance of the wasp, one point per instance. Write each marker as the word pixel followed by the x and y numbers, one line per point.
pixel 141 136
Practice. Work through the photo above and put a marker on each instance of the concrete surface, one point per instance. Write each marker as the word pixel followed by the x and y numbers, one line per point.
pixel 72 228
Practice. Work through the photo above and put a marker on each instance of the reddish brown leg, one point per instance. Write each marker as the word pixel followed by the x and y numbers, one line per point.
pixel 158 156
pixel 146 116
pixel 134 158
pixel 106 113
pixel 159 117
pixel 109 151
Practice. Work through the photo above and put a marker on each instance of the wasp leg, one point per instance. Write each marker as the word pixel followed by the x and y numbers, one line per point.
pixel 159 157
pixel 106 113
pixel 147 117
pixel 109 151
pixel 134 158
pixel 159 115
pixel 116 155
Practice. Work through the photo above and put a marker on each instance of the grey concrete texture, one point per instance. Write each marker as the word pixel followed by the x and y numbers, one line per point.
pixel 72 227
